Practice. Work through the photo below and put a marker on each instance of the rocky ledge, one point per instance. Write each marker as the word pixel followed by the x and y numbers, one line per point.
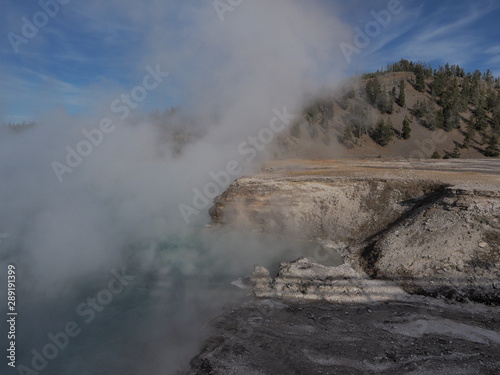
pixel 305 280
pixel 402 229
pixel 312 319
pixel 433 227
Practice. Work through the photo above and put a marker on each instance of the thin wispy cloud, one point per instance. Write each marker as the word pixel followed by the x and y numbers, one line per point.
pixel 90 43
pixel 455 33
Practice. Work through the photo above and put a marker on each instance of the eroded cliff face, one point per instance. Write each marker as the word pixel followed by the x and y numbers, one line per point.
pixel 401 228
pixel 328 208
pixel 449 247
pixel 434 232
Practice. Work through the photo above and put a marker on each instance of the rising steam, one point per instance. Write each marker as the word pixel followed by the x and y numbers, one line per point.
pixel 121 202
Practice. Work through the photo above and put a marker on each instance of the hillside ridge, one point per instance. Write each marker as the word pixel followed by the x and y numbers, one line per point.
pixel 407 110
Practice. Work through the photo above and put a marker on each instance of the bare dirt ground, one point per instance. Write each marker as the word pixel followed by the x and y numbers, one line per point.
pixel 451 170
pixel 419 337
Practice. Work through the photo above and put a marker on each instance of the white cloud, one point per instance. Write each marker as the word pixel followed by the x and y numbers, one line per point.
pixel 494 49
pixel 445 34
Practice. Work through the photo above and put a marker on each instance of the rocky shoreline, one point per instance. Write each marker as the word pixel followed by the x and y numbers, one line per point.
pixel 305 280
pixel 407 233
pixel 436 233
pixel 420 337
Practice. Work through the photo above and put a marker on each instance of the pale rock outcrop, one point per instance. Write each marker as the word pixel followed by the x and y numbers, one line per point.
pixel 434 232
pixel 304 280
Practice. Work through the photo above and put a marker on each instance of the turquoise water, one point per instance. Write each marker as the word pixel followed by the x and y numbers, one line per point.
pixel 157 322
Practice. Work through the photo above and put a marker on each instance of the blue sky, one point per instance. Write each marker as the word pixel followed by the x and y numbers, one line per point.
pixel 89 51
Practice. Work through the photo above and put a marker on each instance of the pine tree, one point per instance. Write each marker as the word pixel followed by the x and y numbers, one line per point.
pixel 469 136
pixel 406 129
pixel 466 90
pixel 402 98
pixel 452 104
pixel 420 78
pixel 480 120
pixel 373 90
pixel 491 100
pixel 492 149
pixel 383 102
pixel 326 113
pixel 439 119
pixel 382 133
pixel 456 153
pixel 420 109
pixel 439 84
pixel 496 115
pixel 356 118
pixel 390 108
pixel 347 137
pixel 475 91
pixel 488 76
